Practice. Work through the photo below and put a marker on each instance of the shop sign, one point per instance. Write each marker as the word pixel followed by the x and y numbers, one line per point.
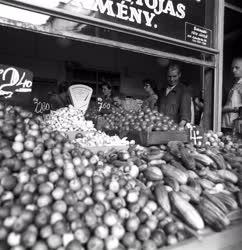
pixel 163 17
pixel 13 80
pixel 197 34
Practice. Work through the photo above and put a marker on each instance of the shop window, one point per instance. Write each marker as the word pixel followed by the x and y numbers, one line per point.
pixel 92 78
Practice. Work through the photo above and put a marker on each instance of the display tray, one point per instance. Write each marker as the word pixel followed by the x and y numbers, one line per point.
pixel 229 239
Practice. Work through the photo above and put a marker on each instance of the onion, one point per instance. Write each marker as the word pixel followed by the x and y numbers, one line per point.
pixel 82 234
pixel 58 193
pixel 54 241
pixel 110 218
pixel 13 239
pixel 102 231
pixel 111 242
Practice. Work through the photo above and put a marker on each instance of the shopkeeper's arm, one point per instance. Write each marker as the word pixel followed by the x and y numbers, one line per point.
pixel 185 110
pixel 236 103
pixel 228 109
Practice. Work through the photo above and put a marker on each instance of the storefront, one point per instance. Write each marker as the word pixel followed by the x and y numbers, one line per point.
pixel 65 184
pixel 123 42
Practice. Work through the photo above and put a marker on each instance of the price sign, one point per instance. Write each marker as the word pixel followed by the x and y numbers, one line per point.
pixel 80 96
pixel 103 105
pixel 41 107
pixel 13 79
pixel 15 85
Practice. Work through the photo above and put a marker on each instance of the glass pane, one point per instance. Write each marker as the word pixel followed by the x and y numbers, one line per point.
pixel 21 15
pixel 54 61
pixel 232 22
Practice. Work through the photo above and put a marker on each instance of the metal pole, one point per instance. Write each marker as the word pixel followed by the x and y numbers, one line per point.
pixel 218 76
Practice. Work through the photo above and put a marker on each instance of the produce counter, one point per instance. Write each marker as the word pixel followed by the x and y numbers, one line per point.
pixel 230 239
pixel 57 194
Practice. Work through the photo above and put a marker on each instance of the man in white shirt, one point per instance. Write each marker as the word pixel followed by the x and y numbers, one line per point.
pixel 234 99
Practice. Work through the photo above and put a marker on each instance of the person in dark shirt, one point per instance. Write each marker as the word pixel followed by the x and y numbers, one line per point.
pixel 175 98
pixel 230 111
pixel 61 98
pixel 105 101
pixel 151 90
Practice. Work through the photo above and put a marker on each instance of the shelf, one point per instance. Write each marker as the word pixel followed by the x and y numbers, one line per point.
pixel 229 239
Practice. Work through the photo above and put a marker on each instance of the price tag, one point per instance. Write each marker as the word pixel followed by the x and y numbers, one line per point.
pixel 80 96
pixel 103 106
pixel 13 80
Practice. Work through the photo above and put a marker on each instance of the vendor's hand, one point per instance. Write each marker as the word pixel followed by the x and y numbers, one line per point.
pixel 236 109
pixel 182 123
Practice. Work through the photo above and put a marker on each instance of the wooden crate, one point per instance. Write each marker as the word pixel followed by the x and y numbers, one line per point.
pixel 148 138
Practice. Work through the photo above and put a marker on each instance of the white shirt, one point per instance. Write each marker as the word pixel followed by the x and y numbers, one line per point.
pixel 169 89
pixel 234 100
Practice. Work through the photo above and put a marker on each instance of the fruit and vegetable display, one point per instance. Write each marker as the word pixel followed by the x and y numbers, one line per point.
pixel 67 119
pixel 99 138
pixel 70 119
pixel 131 104
pixel 139 120
pixel 224 142
pixel 54 195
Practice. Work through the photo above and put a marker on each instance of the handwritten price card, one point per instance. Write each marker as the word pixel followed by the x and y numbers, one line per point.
pixel 80 96
pixel 15 85
pixel 13 79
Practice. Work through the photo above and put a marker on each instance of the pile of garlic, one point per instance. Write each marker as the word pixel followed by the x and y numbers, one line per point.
pixel 68 119
pixel 98 138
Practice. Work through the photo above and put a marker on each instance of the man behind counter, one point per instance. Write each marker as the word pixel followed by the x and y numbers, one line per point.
pixel 105 101
pixel 175 99
pixel 234 99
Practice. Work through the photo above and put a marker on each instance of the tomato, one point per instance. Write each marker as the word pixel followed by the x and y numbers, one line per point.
pixel 128 239
pixel 149 245
pixel 164 127
pixel 82 235
pixel 181 128
pixel 170 228
pixel 159 238
pixel 110 218
pixel 132 224
pixel 102 231
pixel 74 245
pixel 143 233
pixel 95 243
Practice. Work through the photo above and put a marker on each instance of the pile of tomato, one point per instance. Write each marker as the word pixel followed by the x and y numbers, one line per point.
pixel 139 121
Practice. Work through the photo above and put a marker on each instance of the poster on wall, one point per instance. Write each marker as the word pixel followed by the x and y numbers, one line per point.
pixel 15 85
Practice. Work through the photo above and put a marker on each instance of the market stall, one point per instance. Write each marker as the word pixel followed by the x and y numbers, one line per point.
pixel 138 180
